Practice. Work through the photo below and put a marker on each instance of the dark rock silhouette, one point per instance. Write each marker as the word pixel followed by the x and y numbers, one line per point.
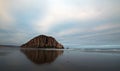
pixel 42 56
pixel 43 41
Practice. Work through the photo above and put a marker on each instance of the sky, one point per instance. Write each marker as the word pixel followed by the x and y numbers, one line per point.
pixel 71 22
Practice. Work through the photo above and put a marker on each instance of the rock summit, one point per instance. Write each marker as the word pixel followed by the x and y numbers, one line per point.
pixel 43 41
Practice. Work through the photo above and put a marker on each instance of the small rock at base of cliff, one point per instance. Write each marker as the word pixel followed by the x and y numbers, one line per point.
pixel 43 41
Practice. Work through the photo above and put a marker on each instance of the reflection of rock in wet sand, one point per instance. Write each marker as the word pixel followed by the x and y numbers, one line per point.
pixel 42 56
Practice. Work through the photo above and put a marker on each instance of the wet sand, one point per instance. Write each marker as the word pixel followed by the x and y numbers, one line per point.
pixel 16 59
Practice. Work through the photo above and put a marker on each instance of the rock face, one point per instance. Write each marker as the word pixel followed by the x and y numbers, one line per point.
pixel 42 41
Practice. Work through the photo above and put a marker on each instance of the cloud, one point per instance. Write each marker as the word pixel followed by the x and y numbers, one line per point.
pixel 107 26
pixel 17 37
pixel 6 19
pixel 84 32
pixel 89 18
pixel 24 5
pixel 109 38
pixel 79 10
pixel 101 34
pixel 58 11
pixel 68 32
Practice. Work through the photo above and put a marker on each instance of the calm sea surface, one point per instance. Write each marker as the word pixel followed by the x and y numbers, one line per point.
pixel 16 59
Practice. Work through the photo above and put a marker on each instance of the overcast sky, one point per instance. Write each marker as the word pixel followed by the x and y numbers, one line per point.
pixel 84 22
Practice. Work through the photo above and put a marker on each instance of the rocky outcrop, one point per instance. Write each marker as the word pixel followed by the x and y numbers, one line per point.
pixel 42 41
pixel 42 56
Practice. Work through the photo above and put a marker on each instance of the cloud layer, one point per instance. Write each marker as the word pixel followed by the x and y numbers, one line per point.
pixel 71 22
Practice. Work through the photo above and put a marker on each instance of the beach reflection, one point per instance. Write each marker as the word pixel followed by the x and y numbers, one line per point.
pixel 42 56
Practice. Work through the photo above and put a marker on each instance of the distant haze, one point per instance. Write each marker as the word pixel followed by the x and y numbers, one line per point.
pixel 84 22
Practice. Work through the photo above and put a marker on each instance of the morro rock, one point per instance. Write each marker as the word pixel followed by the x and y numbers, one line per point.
pixel 43 41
